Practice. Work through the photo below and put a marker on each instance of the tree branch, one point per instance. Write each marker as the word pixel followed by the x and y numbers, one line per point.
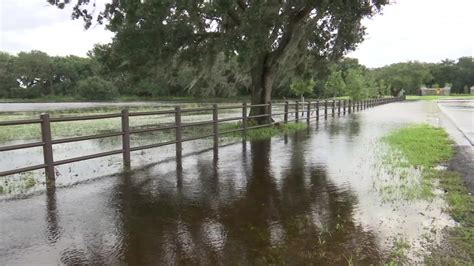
pixel 242 4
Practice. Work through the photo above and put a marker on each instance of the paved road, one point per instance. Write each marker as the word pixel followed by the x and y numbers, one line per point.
pixel 461 113
pixel 457 117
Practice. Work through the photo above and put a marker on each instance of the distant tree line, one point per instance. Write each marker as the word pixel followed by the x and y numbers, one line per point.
pixel 104 75
pixel 410 76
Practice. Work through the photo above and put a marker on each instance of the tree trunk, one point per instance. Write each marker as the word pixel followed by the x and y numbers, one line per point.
pixel 262 77
pixel 264 71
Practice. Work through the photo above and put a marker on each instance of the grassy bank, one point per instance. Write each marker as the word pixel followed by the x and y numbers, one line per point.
pixel 436 97
pixel 425 147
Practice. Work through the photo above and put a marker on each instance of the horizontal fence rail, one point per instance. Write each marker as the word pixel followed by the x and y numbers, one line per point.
pixel 287 112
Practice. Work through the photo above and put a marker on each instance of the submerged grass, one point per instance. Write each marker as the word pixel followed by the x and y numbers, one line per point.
pixel 399 250
pixel 425 146
pixel 90 127
pixel 264 132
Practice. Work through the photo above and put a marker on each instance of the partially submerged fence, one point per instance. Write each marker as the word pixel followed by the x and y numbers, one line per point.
pixel 286 112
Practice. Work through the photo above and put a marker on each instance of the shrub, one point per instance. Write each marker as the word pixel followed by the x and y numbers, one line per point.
pixel 95 88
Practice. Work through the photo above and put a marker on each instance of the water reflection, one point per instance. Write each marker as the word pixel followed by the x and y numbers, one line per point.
pixel 351 128
pixel 53 230
pixel 206 218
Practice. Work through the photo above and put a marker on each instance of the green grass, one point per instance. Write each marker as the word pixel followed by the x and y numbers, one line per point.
pixel 21 183
pixel 398 253
pixel 427 146
pixel 264 132
pixel 422 145
pixel 436 97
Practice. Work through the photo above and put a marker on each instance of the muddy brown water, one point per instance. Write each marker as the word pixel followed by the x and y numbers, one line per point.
pixel 305 197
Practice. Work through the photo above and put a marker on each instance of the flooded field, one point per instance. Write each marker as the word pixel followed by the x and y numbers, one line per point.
pixel 79 172
pixel 314 196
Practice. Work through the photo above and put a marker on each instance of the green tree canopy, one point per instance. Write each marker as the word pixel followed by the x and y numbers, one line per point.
pixel 300 87
pixel 355 85
pixel 405 76
pixel 267 37
pixel 335 85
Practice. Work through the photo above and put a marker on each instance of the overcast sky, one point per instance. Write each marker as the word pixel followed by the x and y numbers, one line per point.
pixel 423 30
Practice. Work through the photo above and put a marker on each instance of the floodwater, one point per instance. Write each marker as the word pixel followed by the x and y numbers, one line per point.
pixel 309 197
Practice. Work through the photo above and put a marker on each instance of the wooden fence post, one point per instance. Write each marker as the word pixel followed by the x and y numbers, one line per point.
pixel 343 107
pixel 325 109
pixel 333 107
pixel 297 111
pixel 338 107
pixel 47 148
pixel 269 112
pixel 308 113
pixel 126 139
pixel 215 119
pixel 177 121
pixel 244 118
pixel 349 106
pixel 317 110
pixel 286 113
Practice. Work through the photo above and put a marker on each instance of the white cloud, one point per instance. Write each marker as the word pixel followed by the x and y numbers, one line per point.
pixel 423 30
pixel 34 24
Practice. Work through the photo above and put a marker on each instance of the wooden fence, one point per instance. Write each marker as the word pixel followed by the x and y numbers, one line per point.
pixel 291 112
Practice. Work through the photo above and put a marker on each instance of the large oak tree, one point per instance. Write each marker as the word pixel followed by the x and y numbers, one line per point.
pixel 268 37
